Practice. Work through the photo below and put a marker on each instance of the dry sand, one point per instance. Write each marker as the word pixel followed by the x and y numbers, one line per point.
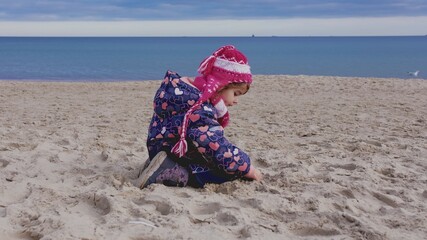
pixel 343 158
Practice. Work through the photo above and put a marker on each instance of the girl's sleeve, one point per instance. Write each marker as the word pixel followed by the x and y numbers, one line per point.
pixel 208 137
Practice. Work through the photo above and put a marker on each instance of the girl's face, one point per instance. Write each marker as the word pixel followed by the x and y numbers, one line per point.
pixel 230 95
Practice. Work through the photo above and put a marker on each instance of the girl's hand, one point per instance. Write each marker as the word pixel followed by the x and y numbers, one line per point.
pixel 254 174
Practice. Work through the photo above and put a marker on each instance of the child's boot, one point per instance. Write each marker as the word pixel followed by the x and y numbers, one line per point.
pixel 162 170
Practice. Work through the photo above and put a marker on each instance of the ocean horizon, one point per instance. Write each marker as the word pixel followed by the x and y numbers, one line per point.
pixel 148 58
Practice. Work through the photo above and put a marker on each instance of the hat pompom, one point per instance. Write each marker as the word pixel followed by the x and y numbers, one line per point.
pixel 205 67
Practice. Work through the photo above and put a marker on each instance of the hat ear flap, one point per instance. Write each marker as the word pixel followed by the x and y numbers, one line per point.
pixel 210 88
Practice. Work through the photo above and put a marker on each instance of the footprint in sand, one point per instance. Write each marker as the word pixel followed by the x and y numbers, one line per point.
pixel 205 212
pixel 254 203
pixel 18 192
pixel 226 219
pixel 3 163
pixel 3 212
pixel 347 193
pixel 306 231
pixel 183 195
pixel 161 204
pixel 22 146
pixel 36 226
pixel 349 167
pixel 64 142
pixel 387 200
pixel 312 204
pixel 215 212
pixel 83 171
pixel 207 209
pixel 101 204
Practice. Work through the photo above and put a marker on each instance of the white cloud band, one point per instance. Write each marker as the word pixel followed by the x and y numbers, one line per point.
pixel 369 26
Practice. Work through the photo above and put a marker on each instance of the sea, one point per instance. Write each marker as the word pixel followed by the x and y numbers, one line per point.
pixel 148 58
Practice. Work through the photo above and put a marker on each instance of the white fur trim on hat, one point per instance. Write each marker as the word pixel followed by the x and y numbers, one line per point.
pixel 232 66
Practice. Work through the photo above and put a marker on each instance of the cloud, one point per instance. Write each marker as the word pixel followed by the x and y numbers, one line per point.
pixel 105 10
pixel 367 26
pixel 223 17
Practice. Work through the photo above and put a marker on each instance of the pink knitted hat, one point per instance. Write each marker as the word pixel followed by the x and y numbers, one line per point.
pixel 226 65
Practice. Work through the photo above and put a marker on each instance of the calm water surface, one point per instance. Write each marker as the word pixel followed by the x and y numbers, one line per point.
pixel 143 58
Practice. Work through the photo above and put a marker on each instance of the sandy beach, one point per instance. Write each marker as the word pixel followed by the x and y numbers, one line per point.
pixel 342 158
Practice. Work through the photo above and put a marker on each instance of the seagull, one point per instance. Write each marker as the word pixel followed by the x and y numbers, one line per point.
pixel 414 74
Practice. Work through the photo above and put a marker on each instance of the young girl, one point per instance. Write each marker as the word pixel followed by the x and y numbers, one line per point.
pixel 186 140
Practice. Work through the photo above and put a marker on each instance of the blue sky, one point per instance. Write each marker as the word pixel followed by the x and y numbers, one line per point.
pixel 30 14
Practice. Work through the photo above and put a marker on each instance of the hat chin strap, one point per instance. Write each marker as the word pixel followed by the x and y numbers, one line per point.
pixel 221 108
pixel 181 147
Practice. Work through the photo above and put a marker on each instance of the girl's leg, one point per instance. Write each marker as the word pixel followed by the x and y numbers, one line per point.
pixel 199 180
